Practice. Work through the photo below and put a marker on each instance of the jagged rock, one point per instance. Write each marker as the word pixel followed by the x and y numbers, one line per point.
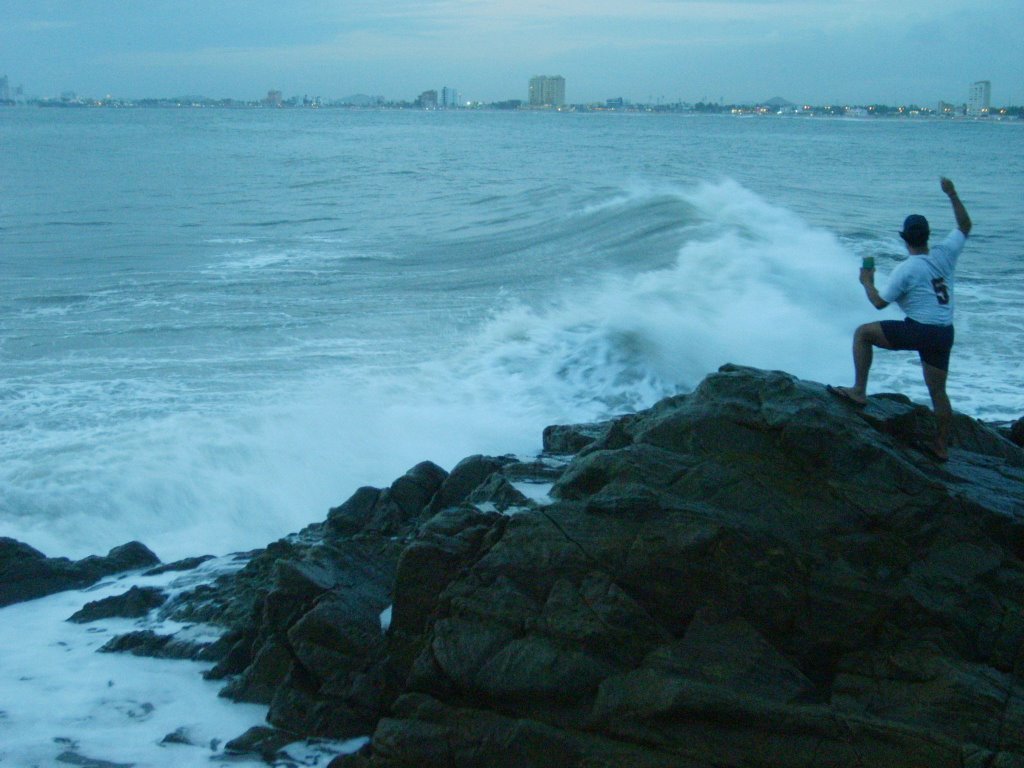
pixel 262 741
pixel 387 512
pixel 334 685
pixel 357 759
pixel 135 603
pixel 499 493
pixel 179 736
pixel 1017 432
pixel 304 619
pixel 447 543
pixel 567 439
pixel 148 643
pixel 70 757
pixel 188 564
pixel 755 574
pixel 26 573
pixel 465 478
pixel 547 469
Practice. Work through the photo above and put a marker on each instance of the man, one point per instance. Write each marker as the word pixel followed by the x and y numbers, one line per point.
pixel 923 287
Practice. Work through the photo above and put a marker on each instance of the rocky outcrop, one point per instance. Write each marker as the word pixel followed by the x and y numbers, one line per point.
pixel 754 574
pixel 1017 432
pixel 26 573
pixel 135 603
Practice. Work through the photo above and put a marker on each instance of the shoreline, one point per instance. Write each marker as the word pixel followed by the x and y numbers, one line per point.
pixel 757 527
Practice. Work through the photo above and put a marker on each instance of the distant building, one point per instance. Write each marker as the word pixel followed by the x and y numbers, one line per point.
pixel 947 109
pixel 5 89
pixel 779 104
pixel 361 100
pixel 274 99
pixel 616 103
pixel 427 100
pixel 979 101
pixel 547 91
pixel 450 98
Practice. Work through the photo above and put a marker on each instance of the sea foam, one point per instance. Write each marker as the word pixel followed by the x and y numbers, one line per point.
pixel 748 283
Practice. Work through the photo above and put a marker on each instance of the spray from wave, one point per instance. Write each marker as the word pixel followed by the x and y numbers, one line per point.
pixel 750 284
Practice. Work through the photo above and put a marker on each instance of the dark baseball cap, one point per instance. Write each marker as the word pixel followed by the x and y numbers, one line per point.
pixel 915 229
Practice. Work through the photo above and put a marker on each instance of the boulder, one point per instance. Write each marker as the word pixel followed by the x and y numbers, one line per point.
pixel 261 741
pixel 133 604
pixel 1017 432
pixel 465 478
pixel 26 573
pixel 148 643
pixel 754 574
pixel 187 564
pixel 567 439
pixel 388 511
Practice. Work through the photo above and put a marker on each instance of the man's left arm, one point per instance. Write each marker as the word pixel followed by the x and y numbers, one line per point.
pixel 963 221
pixel 867 279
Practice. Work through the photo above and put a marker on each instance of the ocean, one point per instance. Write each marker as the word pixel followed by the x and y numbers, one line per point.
pixel 217 324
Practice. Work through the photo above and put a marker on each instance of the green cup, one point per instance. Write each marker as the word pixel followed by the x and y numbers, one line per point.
pixel 868 263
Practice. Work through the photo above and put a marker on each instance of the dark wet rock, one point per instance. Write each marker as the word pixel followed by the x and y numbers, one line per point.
pixel 148 643
pixel 358 759
pixel 446 545
pixel 360 572
pixel 756 574
pixel 179 736
pixel 388 511
pixel 26 573
pixel 135 603
pixel 188 564
pixel 496 491
pixel 70 757
pixel 547 469
pixel 468 475
pixel 568 439
pixel 1017 432
pixel 261 741
pixel 230 599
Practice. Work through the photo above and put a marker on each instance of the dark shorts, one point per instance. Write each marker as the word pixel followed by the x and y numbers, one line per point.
pixel 932 342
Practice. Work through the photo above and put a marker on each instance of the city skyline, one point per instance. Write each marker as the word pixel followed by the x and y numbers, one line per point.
pixel 648 51
pixel 542 91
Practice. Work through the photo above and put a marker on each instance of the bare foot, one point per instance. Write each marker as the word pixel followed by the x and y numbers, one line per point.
pixel 936 451
pixel 848 393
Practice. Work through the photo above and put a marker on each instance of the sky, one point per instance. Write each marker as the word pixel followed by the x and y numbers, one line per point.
pixel 742 51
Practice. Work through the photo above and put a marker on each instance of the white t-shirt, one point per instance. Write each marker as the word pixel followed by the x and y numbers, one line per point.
pixel 923 284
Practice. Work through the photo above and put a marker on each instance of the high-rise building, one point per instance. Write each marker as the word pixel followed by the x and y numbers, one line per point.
pixel 547 91
pixel 980 98
pixel 449 98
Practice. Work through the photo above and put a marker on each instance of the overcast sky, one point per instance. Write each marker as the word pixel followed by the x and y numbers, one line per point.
pixel 817 51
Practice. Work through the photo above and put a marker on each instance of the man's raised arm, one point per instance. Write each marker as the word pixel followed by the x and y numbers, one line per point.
pixel 963 221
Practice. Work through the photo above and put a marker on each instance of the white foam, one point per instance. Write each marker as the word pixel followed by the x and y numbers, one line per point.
pixel 767 290
pixel 58 696
pixel 98 463
pixel 539 492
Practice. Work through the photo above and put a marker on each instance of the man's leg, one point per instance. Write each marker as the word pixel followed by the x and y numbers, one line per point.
pixel 865 339
pixel 935 379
